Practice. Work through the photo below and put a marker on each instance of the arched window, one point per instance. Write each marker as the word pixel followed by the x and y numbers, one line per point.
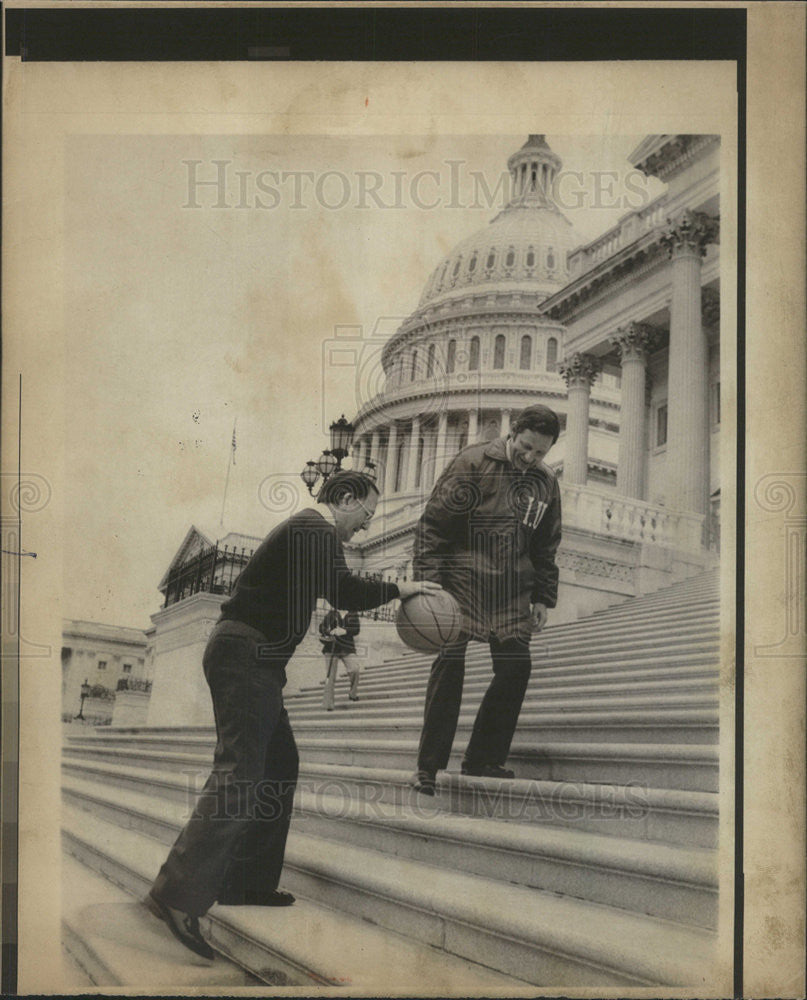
pixel 550 258
pixel 530 261
pixel 430 362
pixel 498 351
pixel 413 373
pixel 552 354
pixel 473 360
pixel 472 262
pixel 456 270
pixel 491 260
pixel 510 259
pixel 451 358
pixel 526 351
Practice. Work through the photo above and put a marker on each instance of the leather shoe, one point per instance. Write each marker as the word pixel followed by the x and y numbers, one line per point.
pixel 183 926
pixel 424 782
pixel 277 898
pixel 487 771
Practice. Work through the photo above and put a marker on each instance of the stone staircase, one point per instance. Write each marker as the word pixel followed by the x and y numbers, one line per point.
pixel 596 867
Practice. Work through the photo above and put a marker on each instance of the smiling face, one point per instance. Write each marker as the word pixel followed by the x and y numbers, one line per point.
pixel 528 448
pixel 352 515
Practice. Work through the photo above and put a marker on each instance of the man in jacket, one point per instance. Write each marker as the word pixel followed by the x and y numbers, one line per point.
pixel 489 534
pixel 232 847
pixel 338 638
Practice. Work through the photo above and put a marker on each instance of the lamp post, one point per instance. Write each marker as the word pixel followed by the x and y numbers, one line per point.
pixel 330 461
pixel 85 693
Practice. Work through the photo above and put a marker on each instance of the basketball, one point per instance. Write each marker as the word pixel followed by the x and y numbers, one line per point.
pixel 427 622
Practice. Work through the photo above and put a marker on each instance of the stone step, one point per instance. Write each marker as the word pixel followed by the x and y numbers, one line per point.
pixel 538 693
pixel 644 724
pixel 542 683
pixel 532 935
pixel 689 767
pixel 308 944
pixel 705 626
pixel 117 942
pixel 583 654
pixel 397 708
pixel 633 619
pixel 677 883
pixel 671 816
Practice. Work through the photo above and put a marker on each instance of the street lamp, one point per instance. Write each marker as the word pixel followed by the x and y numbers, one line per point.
pixel 330 461
pixel 85 693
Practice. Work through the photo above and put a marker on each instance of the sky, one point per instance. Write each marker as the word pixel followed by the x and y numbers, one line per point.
pixel 208 279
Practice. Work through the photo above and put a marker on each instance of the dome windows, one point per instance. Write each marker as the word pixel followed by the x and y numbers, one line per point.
pixel 490 263
pixel 472 262
pixel 430 362
pixel 552 354
pixel 473 355
pixel 510 259
pixel 550 258
pixel 530 258
pixel 525 361
pixel 498 351
pixel 451 357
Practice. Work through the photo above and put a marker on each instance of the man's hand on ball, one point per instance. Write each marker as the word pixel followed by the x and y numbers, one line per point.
pixel 408 589
pixel 539 616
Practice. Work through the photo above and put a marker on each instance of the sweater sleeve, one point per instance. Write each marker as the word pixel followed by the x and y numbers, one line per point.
pixel 543 548
pixel 343 589
pixel 443 527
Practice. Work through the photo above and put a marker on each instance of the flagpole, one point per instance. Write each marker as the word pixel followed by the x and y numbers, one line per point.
pixel 230 462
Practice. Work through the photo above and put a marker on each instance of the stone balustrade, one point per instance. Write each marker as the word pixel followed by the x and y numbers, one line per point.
pixel 630 228
pixel 628 519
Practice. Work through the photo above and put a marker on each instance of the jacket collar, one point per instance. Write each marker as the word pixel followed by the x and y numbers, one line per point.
pixel 497 450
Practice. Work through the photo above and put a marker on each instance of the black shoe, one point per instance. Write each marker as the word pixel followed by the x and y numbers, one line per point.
pixel 353 697
pixel 183 926
pixel 277 898
pixel 487 771
pixel 423 782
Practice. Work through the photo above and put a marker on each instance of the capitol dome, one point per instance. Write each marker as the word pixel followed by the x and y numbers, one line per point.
pixel 525 246
pixel 475 352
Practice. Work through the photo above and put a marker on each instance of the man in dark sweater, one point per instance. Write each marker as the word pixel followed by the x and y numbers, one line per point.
pixel 232 847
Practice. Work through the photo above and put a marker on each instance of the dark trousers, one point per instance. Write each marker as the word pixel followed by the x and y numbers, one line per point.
pixel 498 713
pixel 232 846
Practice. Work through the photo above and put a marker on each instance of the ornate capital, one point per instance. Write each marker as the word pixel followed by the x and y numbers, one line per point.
pixel 634 341
pixel 580 370
pixel 691 232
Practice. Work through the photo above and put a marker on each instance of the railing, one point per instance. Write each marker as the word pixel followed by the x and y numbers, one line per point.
pixel 133 684
pixel 633 226
pixel 212 571
pixel 630 520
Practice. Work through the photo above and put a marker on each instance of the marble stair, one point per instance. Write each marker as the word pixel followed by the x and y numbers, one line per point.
pixel 596 866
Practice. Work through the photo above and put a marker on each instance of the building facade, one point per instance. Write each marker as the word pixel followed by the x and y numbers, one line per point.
pixel 620 336
pixel 103 656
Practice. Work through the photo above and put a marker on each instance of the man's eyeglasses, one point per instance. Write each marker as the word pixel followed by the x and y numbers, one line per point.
pixel 367 511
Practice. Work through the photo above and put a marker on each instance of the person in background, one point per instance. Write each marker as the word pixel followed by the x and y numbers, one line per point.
pixel 232 847
pixel 338 638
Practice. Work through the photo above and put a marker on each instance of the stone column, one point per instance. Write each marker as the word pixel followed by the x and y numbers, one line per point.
pixel 375 446
pixel 687 466
pixel 473 425
pixel 504 428
pixel 580 371
pixel 633 343
pixel 392 460
pixel 411 483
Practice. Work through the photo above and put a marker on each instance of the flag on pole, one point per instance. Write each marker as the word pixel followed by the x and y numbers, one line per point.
pixel 233 444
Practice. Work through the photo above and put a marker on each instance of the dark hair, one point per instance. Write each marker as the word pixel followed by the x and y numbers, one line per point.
pixel 537 418
pixel 346 484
